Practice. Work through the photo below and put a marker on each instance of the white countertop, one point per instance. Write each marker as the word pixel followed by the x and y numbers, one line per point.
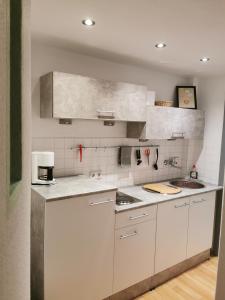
pixel 73 186
pixel 150 198
pixel 81 185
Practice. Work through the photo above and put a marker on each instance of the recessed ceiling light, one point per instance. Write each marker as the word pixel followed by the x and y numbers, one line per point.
pixel 205 59
pixel 88 22
pixel 160 45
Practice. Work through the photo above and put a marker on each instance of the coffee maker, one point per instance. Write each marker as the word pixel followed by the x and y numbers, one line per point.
pixel 42 167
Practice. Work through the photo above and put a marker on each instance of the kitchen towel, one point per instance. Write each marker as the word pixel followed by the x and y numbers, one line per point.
pixel 125 156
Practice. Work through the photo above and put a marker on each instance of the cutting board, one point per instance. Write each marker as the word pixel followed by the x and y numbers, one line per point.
pixel 162 188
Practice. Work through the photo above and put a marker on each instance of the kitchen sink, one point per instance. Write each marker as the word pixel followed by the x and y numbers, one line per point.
pixel 123 199
pixel 187 184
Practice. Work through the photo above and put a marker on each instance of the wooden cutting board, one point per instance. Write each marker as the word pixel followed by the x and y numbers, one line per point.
pixel 162 188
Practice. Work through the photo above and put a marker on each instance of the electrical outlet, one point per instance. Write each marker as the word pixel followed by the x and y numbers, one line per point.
pixel 97 174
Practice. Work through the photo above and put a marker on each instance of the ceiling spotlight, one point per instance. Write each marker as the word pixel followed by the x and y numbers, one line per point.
pixel 88 22
pixel 160 45
pixel 205 59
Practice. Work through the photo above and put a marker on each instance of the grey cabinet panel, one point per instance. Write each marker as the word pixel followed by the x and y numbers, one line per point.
pixel 193 122
pixel 75 96
pixel 165 123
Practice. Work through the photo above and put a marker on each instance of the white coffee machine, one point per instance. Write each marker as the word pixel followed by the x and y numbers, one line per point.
pixel 42 167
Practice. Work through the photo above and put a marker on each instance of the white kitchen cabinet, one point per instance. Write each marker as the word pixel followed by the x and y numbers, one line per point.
pixel 169 122
pixel 134 254
pixel 171 235
pixel 79 245
pixel 135 216
pixel 79 97
pixel 201 220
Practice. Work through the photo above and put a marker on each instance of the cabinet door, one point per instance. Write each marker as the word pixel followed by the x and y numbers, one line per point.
pixel 134 254
pixel 171 235
pixel 168 122
pixel 75 96
pixel 159 123
pixel 79 243
pixel 201 221
pixel 193 123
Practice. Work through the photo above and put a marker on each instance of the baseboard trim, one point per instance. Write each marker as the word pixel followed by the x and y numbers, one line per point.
pixel 160 278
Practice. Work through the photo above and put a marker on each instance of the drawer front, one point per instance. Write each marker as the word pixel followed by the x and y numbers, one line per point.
pixel 135 216
pixel 134 254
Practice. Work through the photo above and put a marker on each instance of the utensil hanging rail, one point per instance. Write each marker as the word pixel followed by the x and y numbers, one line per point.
pixel 116 147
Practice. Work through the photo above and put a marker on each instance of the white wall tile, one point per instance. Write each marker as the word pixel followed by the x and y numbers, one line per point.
pixel 59 143
pixel 67 160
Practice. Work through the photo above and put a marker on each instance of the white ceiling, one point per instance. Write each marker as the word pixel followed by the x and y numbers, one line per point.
pixel 127 30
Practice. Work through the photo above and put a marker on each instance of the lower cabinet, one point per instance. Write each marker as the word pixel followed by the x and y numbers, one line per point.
pixel 201 220
pixel 90 254
pixel 79 246
pixel 134 254
pixel 184 229
pixel 171 236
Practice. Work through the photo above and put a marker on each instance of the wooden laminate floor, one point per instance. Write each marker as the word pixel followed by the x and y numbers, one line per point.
pixel 196 284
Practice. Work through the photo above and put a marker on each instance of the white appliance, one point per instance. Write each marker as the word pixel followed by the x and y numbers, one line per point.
pixel 42 167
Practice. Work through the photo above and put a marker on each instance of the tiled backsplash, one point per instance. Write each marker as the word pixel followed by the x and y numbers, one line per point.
pixel 67 160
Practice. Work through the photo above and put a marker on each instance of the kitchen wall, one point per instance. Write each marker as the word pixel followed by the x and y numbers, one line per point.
pixel 67 160
pixel 211 96
pixel 46 59
pixel 49 135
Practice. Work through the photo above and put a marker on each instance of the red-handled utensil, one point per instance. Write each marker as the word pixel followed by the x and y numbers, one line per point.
pixel 81 152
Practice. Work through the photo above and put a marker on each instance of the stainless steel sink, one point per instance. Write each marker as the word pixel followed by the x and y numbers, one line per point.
pixel 187 184
pixel 122 199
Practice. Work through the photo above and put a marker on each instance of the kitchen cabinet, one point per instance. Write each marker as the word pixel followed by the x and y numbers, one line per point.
pixel 79 245
pixel 171 235
pixel 169 122
pixel 201 220
pixel 79 97
pixel 135 216
pixel 134 250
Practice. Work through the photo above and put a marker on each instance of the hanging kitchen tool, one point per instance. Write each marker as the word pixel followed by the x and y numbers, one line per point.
pixel 147 153
pixel 155 166
pixel 81 152
pixel 138 157
pixel 125 156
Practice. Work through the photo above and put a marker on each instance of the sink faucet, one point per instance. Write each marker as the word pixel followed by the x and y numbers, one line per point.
pixel 172 162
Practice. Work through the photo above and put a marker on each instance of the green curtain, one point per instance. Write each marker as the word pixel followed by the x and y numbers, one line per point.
pixel 15 91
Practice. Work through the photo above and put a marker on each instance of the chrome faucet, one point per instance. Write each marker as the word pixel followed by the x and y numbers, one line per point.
pixel 172 162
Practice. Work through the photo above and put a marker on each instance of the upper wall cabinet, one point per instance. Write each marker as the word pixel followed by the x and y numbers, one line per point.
pixel 78 97
pixel 169 122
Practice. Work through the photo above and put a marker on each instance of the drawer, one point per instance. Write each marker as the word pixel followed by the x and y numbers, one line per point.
pixel 135 216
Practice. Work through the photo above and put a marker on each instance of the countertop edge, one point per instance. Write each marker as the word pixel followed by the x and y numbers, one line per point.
pixel 145 204
pixel 51 199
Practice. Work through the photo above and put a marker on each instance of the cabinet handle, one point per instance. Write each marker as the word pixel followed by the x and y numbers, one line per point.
pixel 102 202
pixel 198 201
pixel 128 235
pixel 106 114
pixel 178 135
pixel 138 217
pixel 182 205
